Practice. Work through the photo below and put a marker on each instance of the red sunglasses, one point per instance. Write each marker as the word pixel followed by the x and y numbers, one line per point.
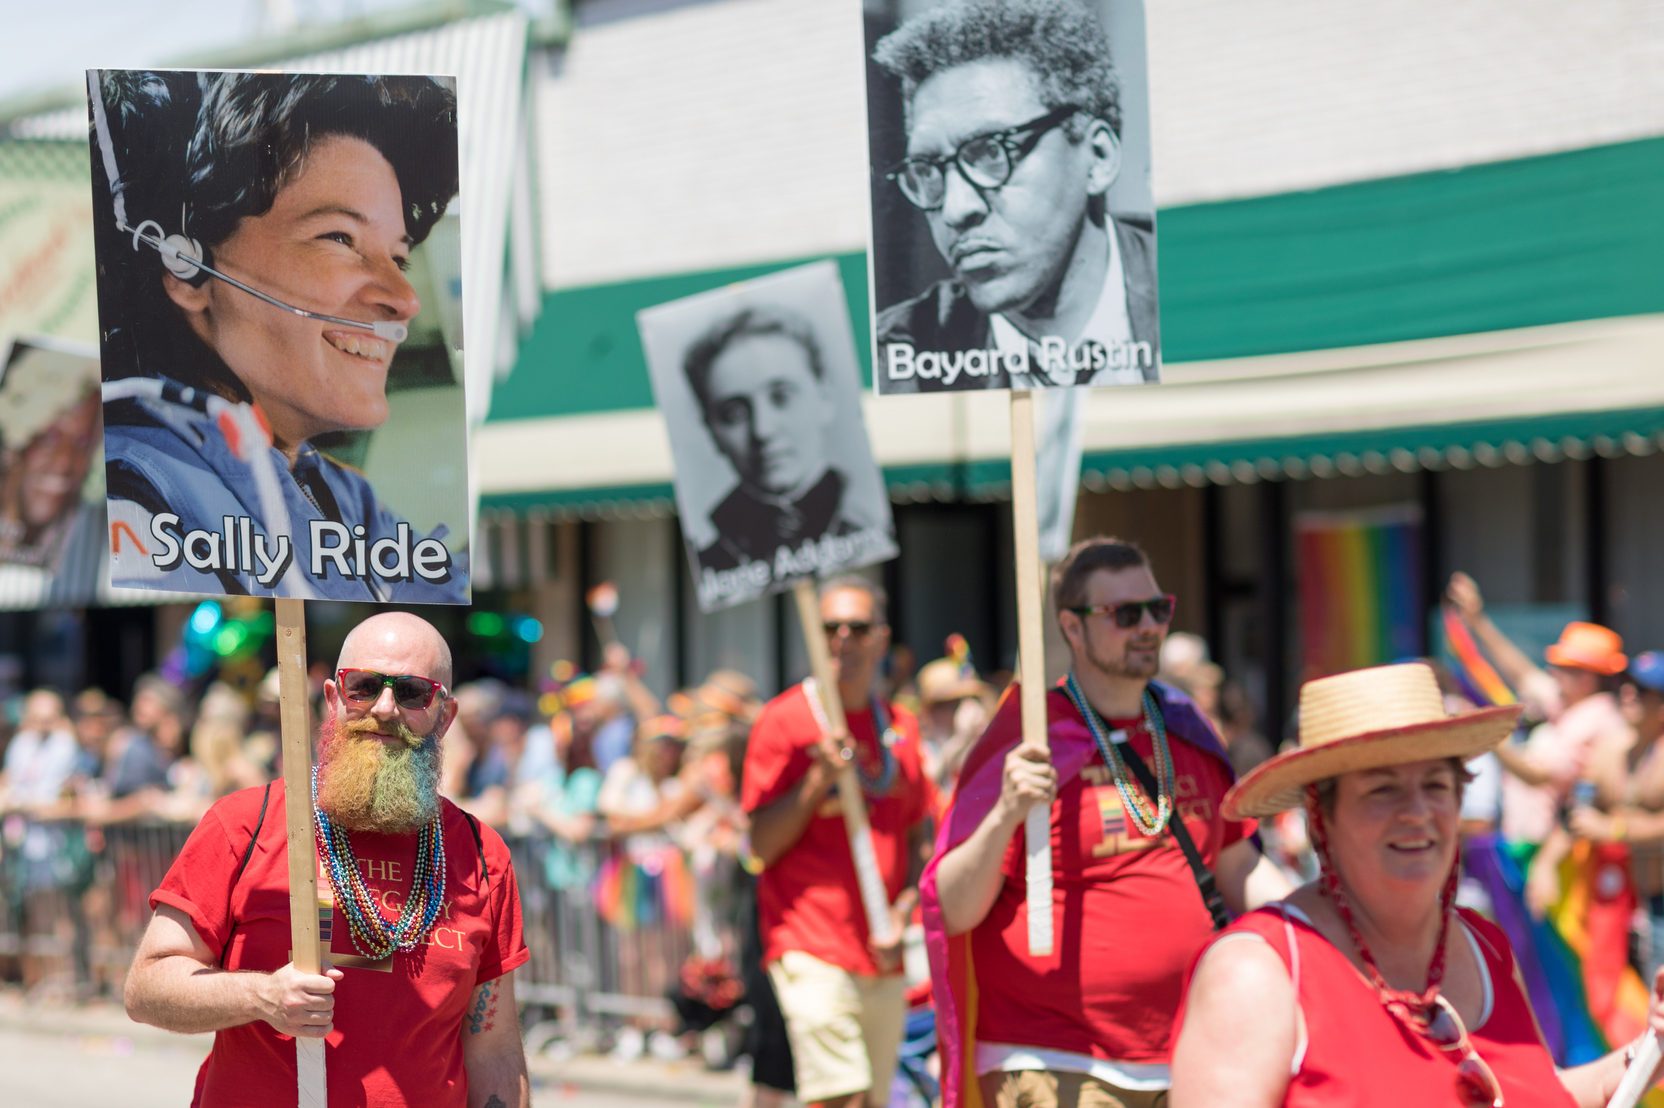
pixel 363 686
pixel 1130 614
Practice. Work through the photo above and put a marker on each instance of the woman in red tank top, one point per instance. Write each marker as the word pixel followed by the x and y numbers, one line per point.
pixel 1367 987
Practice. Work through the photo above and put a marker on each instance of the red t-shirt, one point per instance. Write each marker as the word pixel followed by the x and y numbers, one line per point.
pixel 808 900
pixel 1127 914
pixel 1358 1053
pixel 398 1027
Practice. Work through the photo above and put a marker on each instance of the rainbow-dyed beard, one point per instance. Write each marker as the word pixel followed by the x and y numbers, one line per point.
pixel 368 784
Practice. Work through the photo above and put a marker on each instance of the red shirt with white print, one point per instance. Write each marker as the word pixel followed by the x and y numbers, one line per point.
pixel 1127 914
pixel 809 899
pixel 397 1039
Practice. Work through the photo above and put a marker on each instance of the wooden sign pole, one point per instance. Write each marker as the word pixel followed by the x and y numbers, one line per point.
pixel 295 701
pixel 1637 1078
pixel 1031 663
pixel 873 896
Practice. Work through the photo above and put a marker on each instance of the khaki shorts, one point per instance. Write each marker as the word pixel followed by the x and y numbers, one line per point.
pixel 1045 1089
pixel 845 1029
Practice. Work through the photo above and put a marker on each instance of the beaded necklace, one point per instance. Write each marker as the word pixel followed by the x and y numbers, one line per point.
pixel 1150 822
pixel 1411 1007
pixel 371 934
pixel 873 785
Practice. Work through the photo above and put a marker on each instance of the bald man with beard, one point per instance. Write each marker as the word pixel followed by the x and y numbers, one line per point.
pixel 417 1007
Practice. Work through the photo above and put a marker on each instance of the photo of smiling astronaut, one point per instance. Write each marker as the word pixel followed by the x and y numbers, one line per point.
pixel 280 418
pixel 1012 219
pixel 761 394
pixel 48 443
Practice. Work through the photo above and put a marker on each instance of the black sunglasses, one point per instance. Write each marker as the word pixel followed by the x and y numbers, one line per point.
pixel 857 628
pixel 1130 613
pixel 986 161
pixel 363 686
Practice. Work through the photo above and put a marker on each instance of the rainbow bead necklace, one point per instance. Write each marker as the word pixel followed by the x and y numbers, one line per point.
pixel 1150 822
pixel 371 933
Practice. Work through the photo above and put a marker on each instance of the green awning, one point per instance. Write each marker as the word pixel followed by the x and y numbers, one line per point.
pixel 1433 319
pixel 1491 247
pixel 1485 443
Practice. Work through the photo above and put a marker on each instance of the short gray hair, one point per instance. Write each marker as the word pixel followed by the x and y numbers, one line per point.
pixel 880 598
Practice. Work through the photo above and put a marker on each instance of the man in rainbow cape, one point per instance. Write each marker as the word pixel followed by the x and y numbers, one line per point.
pixel 1091 1021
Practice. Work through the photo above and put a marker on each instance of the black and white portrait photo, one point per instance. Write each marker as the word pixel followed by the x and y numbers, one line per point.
pixel 1013 229
pixel 761 394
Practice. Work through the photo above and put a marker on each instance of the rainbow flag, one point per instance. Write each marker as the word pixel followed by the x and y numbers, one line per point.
pixel 1473 671
pixel 646 892
pixel 1574 961
pixel 1587 998
pixel 1360 588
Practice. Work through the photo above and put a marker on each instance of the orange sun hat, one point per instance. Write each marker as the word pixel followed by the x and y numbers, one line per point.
pixel 1588 646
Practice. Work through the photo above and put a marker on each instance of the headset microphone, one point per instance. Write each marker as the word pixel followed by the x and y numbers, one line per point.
pixel 182 256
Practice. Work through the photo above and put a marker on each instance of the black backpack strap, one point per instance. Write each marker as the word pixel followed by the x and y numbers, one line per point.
pixel 248 852
pixel 479 844
pixel 1205 882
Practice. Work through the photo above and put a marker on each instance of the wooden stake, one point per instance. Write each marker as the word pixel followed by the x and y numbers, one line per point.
pixel 1637 1078
pixel 1031 663
pixel 874 899
pixel 296 707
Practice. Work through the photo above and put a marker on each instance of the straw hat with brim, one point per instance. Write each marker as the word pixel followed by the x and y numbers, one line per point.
pixel 944 680
pixel 1588 646
pixel 1366 719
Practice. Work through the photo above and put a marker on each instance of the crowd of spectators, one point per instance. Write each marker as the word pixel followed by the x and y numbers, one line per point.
pixel 636 800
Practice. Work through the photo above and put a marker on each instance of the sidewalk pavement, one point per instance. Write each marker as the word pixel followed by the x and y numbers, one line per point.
pixel 649 1079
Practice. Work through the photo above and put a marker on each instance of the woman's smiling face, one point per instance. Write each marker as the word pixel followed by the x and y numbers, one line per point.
pixel 334 241
pixel 1394 830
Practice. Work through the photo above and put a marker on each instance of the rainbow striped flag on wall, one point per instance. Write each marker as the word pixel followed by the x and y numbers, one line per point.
pixel 1360 588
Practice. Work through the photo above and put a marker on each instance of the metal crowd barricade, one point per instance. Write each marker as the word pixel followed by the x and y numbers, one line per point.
pixel 77 898
pixel 587 972
pixel 76 901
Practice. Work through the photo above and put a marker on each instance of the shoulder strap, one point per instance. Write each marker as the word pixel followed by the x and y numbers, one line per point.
pixel 248 852
pixel 479 844
pixel 1205 882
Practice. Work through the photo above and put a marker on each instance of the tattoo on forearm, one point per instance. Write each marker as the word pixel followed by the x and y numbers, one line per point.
pixel 495 1101
pixel 482 1012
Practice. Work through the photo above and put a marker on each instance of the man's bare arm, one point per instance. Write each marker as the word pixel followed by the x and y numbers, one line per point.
pixel 1542 880
pixel 1517 669
pixel 969 876
pixel 1521 764
pixel 776 826
pixel 1636 825
pixel 889 955
pixel 176 984
pixel 492 1052
pixel 1649 781
pixel 1248 879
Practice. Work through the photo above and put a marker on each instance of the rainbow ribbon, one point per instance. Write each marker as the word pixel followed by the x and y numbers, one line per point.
pixel 1481 681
